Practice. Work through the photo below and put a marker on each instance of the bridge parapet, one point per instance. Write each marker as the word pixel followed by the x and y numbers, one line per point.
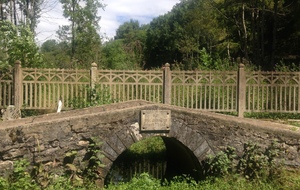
pixel 49 137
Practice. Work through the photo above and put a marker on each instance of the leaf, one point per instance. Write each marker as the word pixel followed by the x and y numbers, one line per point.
pixel 72 167
pixel 77 180
pixel 72 153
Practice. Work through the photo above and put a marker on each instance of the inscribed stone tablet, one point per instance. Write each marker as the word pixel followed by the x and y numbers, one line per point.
pixel 155 120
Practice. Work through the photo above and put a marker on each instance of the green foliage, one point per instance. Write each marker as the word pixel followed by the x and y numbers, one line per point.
pixel 283 67
pixel 287 118
pixel 19 178
pixel 253 163
pixel 55 54
pixel 152 149
pixel 144 181
pixel 234 182
pixel 272 115
pixel 17 43
pixel 181 35
pixel 92 161
pixel 149 148
pixel 4 184
pixel 149 145
pixel 263 32
pixel 21 11
pixel 131 38
pixel 222 164
pixel 127 50
pixel 209 62
pixel 127 28
pixel 289 179
pixel 117 57
pixel 160 45
pixel 181 182
pixel 97 97
pixel 88 169
pixel 149 152
pixel 81 37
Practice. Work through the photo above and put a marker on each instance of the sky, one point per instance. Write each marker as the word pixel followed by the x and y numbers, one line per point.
pixel 114 14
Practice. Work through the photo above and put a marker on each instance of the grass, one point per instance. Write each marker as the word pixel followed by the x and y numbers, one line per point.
pixel 287 180
pixel 284 118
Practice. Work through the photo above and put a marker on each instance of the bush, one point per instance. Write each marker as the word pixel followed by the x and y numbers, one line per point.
pixel 97 96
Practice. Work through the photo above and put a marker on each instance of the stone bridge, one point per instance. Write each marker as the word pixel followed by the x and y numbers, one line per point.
pixel 189 135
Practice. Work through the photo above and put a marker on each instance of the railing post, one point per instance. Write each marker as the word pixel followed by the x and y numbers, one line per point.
pixel 241 91
pixel 93 75
pixel 18 98
pixel 167 84
pixel 93 80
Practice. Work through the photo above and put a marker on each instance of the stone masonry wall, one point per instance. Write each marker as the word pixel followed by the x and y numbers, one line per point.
pixel 48 138
pixel 220 131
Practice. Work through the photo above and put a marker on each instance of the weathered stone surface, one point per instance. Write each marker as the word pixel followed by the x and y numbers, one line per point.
pixel 49 137
pixel 155 120
pixel 78 125
pixel 116 144
pixel 6 167
pixel 194 141
pixel 202 149
pixel 109 152
pixel 126 137
pixel 10 113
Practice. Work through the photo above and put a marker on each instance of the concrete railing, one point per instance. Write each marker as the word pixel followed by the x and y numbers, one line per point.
pixel 219 91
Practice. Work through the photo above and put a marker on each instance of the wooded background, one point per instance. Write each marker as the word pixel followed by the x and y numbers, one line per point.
pixel 195 34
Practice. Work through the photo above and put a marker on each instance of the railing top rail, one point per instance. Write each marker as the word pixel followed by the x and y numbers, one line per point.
pixel 129 71
pixel 271 73
pixel 202 71
pixel 54 69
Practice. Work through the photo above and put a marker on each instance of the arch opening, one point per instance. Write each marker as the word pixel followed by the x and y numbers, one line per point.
pixel 180 160
pixel 162 157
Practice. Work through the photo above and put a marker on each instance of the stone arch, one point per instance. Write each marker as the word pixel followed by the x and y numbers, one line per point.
pixel 192 139
pixel 196 145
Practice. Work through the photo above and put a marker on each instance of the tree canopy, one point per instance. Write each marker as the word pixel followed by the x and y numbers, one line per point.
pixel 195 34
pixel 17 43
pixel 264 32
pixel 82 35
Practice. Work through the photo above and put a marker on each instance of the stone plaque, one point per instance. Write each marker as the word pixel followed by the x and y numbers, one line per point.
pixel 155 120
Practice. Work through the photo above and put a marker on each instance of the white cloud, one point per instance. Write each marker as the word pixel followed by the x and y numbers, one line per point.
pixel 116 13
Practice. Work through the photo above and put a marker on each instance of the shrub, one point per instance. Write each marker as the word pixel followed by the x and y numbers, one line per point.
pixel 97 96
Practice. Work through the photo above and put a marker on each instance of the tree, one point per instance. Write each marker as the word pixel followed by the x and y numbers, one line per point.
pixel 82 34
pixel 54 54
pixel 160 46
pixel 127 28
pixel 133 37
pixel 259 27
pixel 21 12
pixel 115 56
pixel 180 35
pixel 17 43
pixel 263 32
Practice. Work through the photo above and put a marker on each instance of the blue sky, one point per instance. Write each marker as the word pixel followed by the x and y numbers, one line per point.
pixel 115 13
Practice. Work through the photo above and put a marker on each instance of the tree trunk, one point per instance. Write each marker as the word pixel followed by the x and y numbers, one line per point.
pixel 73 29
pixel 274 34
pixel 1 12
pixel 11 10
pixel 245 34
pixel 15 13
pixel 262 31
